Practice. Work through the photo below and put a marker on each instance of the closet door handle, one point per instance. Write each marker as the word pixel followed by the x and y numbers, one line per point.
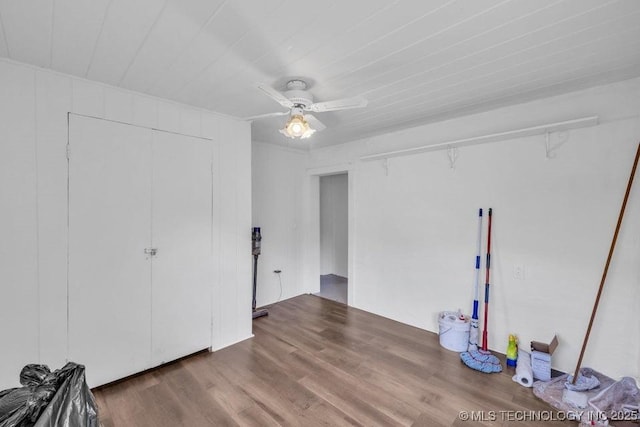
pixel 151 251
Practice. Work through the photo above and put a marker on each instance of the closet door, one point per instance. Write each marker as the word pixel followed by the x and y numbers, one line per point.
pixel 109 228
pixel 182 268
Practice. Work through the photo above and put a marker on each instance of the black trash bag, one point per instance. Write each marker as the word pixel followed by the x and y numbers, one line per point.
pixel 13 406
pixel 34 375
pixel 73 404
pixel 61 399
pixel 22 406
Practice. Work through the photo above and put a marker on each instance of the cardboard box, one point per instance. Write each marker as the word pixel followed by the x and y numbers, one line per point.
pixel 541 358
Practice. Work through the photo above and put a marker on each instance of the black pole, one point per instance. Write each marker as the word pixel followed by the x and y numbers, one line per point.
pixel 256 238
pixel 255 280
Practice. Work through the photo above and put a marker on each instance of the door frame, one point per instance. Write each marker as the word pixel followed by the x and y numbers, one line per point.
pixel 312 232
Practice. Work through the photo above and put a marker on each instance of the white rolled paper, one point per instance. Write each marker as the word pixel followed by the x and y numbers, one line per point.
pixel 524 374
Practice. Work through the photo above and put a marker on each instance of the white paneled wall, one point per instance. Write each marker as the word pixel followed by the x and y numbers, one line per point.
pixel 54 97
pixel 278 177
pixel 19 302
pixel 412 229
pixel 232 298
pixel 34 104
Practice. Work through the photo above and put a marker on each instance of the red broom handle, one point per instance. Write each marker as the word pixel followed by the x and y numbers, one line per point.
pixel 485 340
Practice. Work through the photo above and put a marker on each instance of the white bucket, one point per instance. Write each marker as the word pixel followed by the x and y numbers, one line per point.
pixel 454 331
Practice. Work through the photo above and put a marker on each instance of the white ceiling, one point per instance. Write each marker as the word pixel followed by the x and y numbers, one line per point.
pixel 415 61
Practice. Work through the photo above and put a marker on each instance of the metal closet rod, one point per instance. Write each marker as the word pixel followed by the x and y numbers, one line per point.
pixel 534 130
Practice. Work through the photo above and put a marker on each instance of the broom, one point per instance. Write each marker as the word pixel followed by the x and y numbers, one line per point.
pixel 573 382
pixel 482 360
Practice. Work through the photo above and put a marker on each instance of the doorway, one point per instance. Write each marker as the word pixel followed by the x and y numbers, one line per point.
pixel 334 240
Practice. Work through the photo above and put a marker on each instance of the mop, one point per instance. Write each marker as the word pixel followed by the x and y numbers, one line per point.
pixel 473 332
pixel 583 383
pixel 482 360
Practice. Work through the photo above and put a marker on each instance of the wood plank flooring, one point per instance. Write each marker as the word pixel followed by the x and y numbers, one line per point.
pixel 315 362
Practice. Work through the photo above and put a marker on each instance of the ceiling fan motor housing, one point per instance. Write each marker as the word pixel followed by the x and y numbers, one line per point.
pixel 296 110
pixel 299 97
pixel 297 93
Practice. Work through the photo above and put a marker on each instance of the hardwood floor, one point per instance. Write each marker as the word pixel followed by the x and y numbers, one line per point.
pixel 315 362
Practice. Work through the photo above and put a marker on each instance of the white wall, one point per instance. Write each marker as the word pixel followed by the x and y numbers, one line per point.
pixel 33 219
pixel 334 225
pixel 277 178
pixel 555 218
pixel 232 290
pixel 413 234
pixel 19 302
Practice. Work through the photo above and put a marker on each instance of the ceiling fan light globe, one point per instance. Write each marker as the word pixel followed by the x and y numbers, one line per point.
pixel 308 133
pixel 285 133
pixel 297 126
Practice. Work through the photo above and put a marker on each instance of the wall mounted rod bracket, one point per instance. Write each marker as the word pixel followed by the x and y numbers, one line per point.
pixel 452 153
pixel 499 136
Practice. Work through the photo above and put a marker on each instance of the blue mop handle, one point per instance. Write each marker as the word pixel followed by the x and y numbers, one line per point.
pixel 475 301
pixel 477 296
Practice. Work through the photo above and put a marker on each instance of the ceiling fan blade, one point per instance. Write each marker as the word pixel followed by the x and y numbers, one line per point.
pixel 262 116
pixel 275 95
pixel 314 122
pixel 338 104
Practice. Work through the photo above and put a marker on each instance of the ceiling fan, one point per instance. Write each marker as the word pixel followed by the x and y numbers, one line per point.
pixel 299 100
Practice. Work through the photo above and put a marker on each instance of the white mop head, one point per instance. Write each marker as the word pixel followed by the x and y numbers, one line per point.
pixel 583 383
